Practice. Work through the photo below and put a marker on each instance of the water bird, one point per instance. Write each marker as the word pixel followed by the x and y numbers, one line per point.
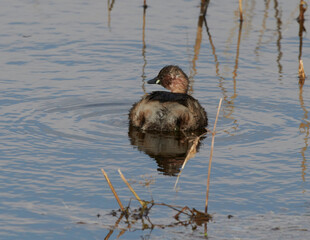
pixel 169 111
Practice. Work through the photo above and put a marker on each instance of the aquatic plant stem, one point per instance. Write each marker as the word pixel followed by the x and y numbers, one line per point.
pixel 211 154
pixel 113 190
pixel 131 189
pixel 190 154
pixel 240 10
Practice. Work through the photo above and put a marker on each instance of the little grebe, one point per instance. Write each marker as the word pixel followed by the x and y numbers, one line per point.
pixel 169 111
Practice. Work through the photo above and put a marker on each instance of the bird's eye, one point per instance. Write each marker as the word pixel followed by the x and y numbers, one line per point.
pixel 157 81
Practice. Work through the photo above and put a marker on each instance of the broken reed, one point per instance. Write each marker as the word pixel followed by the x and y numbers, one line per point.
pixel 301 70
pixel 211 155
pixel 143 204
pixel 301 73
pixel 190 154
pixel 113 190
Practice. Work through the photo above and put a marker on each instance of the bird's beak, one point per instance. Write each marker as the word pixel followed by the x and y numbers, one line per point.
pixel 154 81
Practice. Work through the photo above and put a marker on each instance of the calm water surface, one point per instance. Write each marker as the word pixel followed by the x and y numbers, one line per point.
pixel 70 72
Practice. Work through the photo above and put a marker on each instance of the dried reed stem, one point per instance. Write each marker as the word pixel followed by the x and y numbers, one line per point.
pixel 302 8
pixel 113 190
pixel 240 10
pixel 301 74
pixel 190 154
pixel 301 71
pixel 130 188
pixel 211 154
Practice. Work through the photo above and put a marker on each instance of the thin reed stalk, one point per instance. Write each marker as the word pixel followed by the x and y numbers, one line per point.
pixel 131 189
pixel 211 155
pixel 240 10
pixel 190 154
pixel 113 190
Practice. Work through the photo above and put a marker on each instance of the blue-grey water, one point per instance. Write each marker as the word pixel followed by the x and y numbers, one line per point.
pixel 70 71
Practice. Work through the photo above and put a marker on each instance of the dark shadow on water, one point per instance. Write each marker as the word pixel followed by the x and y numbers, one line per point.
pixel 169 150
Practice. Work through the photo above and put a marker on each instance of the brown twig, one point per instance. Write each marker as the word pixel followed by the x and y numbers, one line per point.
pixel 113 190
pixel 211 154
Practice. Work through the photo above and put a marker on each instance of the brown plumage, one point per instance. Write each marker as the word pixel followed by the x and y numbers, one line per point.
pixel 169 111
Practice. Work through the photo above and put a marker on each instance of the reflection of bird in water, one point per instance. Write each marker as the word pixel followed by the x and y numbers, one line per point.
pixel 169 111
pixel 168 149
